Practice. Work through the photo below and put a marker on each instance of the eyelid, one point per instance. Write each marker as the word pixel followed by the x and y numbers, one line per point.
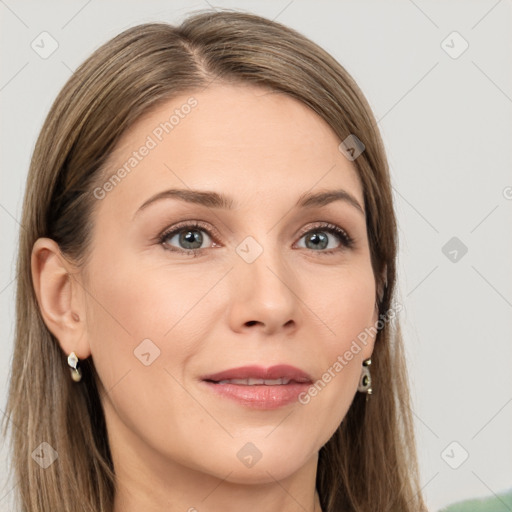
pixel 346 241
pixel 325 225
pixel 189 224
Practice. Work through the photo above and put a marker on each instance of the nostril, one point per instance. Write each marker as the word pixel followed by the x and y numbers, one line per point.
pixel 251 322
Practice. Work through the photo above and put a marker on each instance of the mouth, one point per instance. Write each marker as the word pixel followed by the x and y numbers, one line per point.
pixel 255 382
pixel 258 387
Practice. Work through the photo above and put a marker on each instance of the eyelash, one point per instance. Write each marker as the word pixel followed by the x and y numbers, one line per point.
pixel 347 242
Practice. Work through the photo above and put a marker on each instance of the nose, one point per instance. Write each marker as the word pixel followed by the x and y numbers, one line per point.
pixel 264 294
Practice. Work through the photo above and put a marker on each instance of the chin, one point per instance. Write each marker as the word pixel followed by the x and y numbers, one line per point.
pixel 262 461
pixel 262 473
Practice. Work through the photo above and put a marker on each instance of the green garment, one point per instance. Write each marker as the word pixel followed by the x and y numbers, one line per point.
pixel 499 503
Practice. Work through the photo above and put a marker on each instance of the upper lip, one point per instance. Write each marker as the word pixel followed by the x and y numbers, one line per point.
pixel 283 371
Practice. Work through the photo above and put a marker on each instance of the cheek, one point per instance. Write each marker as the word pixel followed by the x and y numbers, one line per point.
pixel 355 311
pixel 142 317
pixel 144 325
pixel 345 302
pixel 348 312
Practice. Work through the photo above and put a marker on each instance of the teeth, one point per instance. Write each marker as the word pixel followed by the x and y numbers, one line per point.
pixel 255 382
pixel 275 382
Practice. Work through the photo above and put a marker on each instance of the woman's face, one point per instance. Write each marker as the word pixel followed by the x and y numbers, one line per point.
pixel 269 284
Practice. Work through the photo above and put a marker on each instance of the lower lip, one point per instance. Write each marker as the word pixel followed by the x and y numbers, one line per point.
pixel 260 396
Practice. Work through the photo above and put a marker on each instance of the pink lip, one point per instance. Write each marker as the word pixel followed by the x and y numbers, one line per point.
pixel 281 371
pixel 260 396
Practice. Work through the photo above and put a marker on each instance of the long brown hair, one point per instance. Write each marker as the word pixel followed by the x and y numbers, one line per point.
pixel 369 463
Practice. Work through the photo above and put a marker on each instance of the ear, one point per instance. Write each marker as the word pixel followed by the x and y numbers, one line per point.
pixel 60 297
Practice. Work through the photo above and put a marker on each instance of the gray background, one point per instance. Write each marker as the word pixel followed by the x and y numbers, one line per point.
pixel 446 124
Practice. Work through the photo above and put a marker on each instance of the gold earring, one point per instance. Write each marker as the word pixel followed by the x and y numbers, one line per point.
pixel 73 363
pixel 365 381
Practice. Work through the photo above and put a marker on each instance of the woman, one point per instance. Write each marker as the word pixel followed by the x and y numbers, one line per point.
pixel 189 188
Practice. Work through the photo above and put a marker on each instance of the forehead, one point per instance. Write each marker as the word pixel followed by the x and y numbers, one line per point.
pixel 245 139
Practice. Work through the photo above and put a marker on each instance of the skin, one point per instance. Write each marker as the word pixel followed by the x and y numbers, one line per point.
pixel 175 443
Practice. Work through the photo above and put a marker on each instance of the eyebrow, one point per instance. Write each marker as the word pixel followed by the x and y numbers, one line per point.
pixel 221 201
